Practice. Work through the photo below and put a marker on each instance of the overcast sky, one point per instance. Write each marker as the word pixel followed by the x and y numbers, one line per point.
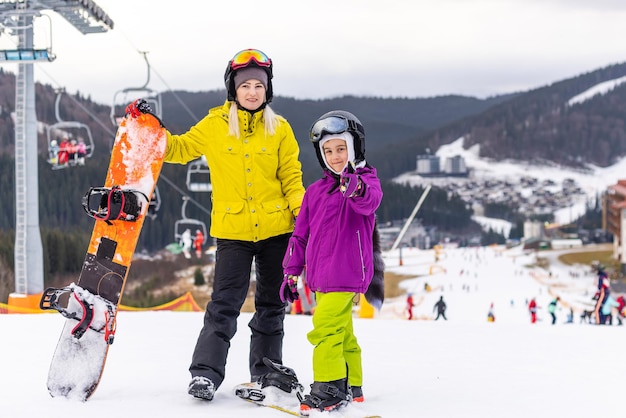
pixel 324 48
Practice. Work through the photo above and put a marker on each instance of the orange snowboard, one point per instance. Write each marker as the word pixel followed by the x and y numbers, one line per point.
pixel 78 361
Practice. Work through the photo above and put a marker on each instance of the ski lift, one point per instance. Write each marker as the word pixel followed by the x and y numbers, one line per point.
pixel 155 204
pixel 188 223
pixel 125 96
pixel 12 23
pixel 69 142
pixel 198 176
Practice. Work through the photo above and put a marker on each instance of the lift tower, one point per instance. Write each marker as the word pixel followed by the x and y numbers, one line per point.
pixel 16 19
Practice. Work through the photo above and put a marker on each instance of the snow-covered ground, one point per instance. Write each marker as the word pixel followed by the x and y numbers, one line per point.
pixel 462 367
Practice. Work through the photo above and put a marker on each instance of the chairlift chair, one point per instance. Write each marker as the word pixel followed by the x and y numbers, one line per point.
pixel 155 204
pixel 188 223
pixel 71 130
pixel 198 176
pixel 192 224
pixel 125 96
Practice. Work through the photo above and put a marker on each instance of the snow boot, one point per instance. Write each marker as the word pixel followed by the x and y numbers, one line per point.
pixel 202 388
pixel 356 392
pixel 325 396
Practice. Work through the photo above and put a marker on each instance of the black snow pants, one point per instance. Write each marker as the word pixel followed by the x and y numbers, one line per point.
pixel 233 262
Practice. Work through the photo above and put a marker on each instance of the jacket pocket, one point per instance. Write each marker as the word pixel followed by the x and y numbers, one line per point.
pixel 275 205
pixel 267 157
pixel 225 214
pixel 278 214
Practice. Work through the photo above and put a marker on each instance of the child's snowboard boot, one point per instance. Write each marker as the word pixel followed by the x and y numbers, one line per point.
pixel 325 396
pixel 357 394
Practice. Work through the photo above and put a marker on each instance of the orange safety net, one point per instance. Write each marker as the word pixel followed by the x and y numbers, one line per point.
pixel 185 303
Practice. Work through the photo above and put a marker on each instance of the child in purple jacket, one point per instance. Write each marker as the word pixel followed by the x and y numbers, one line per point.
pixel 334 238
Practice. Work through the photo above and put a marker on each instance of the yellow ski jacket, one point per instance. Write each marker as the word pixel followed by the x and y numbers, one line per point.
pixel 256 179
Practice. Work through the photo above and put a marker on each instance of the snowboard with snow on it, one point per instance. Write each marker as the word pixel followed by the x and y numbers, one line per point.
pixel 280 390
pixel 272 397
pixel 90 304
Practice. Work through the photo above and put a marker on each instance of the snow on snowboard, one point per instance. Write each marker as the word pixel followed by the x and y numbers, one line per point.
pixel 90 304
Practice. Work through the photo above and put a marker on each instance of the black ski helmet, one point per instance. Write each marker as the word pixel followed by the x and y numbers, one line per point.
pixel 337 122
pixel 244 59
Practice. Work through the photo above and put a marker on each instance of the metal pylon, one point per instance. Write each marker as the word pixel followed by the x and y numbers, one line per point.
pixel 28 248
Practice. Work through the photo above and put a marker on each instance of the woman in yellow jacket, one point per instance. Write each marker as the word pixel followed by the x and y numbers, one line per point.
pixel 256 176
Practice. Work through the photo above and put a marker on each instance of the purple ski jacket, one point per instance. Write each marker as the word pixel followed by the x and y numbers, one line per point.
pixel 333 235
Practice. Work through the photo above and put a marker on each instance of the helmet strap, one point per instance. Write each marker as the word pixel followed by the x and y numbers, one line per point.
pixel 252 112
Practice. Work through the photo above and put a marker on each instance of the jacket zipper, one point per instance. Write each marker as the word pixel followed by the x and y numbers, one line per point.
pixel 290 252
pixel 358 238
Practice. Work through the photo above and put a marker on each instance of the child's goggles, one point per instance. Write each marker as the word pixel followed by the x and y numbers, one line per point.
pixel 330 125
pixel 243 58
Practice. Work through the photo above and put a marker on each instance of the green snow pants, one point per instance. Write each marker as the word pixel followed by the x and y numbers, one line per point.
pixel 337 353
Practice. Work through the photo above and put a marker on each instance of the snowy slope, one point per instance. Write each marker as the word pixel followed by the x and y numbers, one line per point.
pixel 465 367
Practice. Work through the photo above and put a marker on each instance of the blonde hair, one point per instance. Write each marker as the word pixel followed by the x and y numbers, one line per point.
pixel 269 116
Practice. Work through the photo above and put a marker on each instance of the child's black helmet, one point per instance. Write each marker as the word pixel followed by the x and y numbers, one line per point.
pixel 337 122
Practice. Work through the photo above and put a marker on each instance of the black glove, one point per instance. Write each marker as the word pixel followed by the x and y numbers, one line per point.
pixel 350 183
pixel 289 289
pixel 138 107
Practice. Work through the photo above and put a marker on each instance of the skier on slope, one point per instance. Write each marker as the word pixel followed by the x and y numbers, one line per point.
pixel 532 308
pixel 552 308
pixel 409 305
pixel 440 307
pixel 604 290
pixel 491 316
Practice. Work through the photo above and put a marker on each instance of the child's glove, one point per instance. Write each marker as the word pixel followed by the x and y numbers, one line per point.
pixel 288 290
pixel 350 183
pixel 138 107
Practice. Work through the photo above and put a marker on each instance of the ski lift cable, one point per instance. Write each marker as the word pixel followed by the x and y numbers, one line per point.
pixel 176 96
pixel 185 195
pixel 77 102
pixel 151 67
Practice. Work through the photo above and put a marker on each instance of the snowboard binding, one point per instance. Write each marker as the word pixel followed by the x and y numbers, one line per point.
pixel 281 377
pixel 113 204
pixel 52 298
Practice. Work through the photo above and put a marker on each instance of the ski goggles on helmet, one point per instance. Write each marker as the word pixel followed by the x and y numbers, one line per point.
pixel 243 58
pixel 331 125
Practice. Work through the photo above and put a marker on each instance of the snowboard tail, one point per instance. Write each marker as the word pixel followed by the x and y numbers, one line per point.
pixel 90 304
